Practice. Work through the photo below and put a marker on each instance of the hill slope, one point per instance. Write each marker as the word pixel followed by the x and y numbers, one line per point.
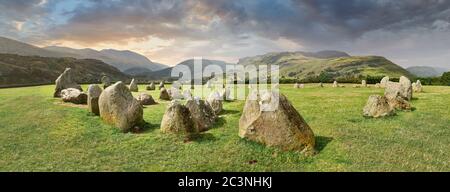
pixel 303 66
pixel 166 73
pixel 122 60
pixel 424 71
pixel 18 70
pixel 9 46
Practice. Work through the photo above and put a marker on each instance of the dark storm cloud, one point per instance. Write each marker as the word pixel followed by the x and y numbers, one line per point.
pixel 307 21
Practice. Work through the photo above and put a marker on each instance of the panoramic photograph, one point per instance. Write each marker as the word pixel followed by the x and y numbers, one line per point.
pixel 224 86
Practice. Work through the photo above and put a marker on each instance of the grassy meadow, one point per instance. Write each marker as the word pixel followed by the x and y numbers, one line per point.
pixel 40 133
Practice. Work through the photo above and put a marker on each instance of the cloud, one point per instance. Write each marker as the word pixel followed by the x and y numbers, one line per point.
pixel 234 28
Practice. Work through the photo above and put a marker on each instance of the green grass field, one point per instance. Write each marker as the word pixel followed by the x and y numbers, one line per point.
pixel 39 133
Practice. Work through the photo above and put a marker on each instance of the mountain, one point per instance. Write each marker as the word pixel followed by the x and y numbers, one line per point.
pixel 165 74
pixel 333 64
pixel 16 70
pixel 137 71
pixel 9 46
pixel 122 60
pixel 425 71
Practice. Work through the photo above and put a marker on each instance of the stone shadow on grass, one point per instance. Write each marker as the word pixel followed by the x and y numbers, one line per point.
pixel 229 112
pixel 146 127
pixel 203 137
pixel 322 142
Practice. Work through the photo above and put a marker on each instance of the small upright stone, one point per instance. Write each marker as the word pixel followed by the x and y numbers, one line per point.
pixel 364 83
pixel 296 86
pixel 161 85
pixel 335 84
pixel 164 95
pixel 215 101
pixel 106 81
pixel 65 81
pixel 93 93
pixel 406 88
pixel 133 86
pixel 417 86
pixel 384 82
pixel 151 87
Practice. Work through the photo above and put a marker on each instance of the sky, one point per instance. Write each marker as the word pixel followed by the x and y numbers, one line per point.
pixel 408 32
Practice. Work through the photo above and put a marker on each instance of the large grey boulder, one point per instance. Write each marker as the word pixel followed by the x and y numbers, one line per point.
pixel 151 87
pixel 106 81
pixel 177 119
pixel 397 95
pixel 133 86
pixel 271 119
pixel 215 101
pixel 65 81
pixel 93 93
pixel 164 94
pixel 146 99
pixel 202 114
pixel 378 106
pixel 72 95
pixel 118 107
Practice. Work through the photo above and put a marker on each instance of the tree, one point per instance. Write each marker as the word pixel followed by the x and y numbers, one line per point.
pixel 445 79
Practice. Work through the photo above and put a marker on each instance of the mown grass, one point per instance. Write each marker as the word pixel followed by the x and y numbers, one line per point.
pixel 38 133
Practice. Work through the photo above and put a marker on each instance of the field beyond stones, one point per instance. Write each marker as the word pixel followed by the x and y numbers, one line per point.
pixel 40 133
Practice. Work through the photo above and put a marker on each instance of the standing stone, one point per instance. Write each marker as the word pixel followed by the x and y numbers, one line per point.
pixel 106 81
pixel 175 93
pixel 296 86
pixel 302 86
pixel 164 95
pixel 378 106
pixel 209 84
pixel 417 87
pixel 225 94
pixel 202 114
pixel 397 96
pixel 282 127
pixel 176 85
pixel 73 95
pixel 133 86
pixel 187 94
pixel 406 88
pixel 151 87
pixel 215 101
pixel 177 119
pixel 161 85
pixel 65 81
pixel 378 85
pixel 364 83
pixel 93 93
pixel 384 82
pixel 320 84
pixel 146 99
pixel 335 84
pixel 118 107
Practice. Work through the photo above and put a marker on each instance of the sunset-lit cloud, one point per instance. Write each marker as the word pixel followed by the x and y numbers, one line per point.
pixel 410 32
